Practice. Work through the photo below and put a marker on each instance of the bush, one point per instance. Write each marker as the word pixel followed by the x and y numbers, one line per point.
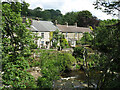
pixel 70 60
pixel 87 38
pixel 78 66
pixel 78 52
pixel 52 65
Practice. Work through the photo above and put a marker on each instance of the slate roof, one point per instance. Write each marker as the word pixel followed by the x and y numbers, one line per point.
pixel 65 28
pixel 42 26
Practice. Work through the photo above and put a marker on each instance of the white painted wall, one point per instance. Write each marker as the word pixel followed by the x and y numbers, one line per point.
pixel 45 39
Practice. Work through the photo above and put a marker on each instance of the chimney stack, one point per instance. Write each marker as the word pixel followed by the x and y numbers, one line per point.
pixel 66 23
pixel 76 24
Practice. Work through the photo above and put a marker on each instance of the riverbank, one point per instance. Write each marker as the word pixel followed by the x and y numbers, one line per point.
pixel 73 80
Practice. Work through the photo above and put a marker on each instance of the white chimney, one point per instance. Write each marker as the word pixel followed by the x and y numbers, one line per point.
pixel 76 24
pixel 66 23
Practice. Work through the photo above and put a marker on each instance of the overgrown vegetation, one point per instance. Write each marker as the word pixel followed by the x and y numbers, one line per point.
pixel 16 42
pixel 58 40
pixel 87 39
pixel 109 48
pixel 52 64
pixel 18 45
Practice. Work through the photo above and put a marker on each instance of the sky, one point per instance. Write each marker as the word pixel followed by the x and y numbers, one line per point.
pixel 69 5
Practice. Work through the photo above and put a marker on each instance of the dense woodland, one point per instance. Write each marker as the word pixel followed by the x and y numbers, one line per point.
pixel 18 48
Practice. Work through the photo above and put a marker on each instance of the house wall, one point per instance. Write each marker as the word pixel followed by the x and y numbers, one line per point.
pixel 42 42
pixel 76 36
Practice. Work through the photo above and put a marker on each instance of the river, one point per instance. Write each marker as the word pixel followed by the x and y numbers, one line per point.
pixel 72 80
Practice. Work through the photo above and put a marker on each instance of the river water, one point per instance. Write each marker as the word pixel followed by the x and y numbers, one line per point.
pixel 72 80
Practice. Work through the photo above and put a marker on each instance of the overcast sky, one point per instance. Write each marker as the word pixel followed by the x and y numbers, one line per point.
pixel 69 5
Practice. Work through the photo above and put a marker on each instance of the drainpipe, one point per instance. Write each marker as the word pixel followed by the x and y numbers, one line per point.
pixel 56 22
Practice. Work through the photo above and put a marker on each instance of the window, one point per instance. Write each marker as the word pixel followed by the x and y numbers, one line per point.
pixel 42 35
pixel 42 43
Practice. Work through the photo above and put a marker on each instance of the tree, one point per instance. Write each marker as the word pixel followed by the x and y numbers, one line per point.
pixel 46 15
pixel 37 12
pixel 17 44
pixel 24 8
pixel 87 38
pixel 71 18
pixel 85 19
pixel 108 6
pixel 58 40
pixel 107 42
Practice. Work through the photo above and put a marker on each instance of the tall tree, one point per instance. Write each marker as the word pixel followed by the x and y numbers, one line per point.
pixel 17 43
pixel 46 15
pixel 85 19
pixel 37 12
pixel 71 18
pixel 25 8
pixel 109 30
pixel 108 6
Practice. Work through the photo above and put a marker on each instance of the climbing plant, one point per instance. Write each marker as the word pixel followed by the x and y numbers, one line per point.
pixel 58 40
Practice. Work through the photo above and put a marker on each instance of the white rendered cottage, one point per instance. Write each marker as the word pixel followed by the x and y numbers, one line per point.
pixel 43 29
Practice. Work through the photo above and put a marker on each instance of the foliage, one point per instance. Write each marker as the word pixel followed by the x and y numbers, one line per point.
pixel 16 42
pixel 107 43
pixel 37 12
pixel 108 6
pixel 77 43
pixel 52 65
pixel 70 17
pixel 24 8
pixel 85 19
pixel 58 40
pixel 110 35
pixel 64 43
pixel 109 47
pixel 78 52
pixel 70 60
pixel 86 39
pixel 77 66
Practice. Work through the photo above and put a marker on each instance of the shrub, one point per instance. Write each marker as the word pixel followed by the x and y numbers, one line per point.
pixel 52 65
pixel 70 60
pixel 78 66
pixel 78 52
